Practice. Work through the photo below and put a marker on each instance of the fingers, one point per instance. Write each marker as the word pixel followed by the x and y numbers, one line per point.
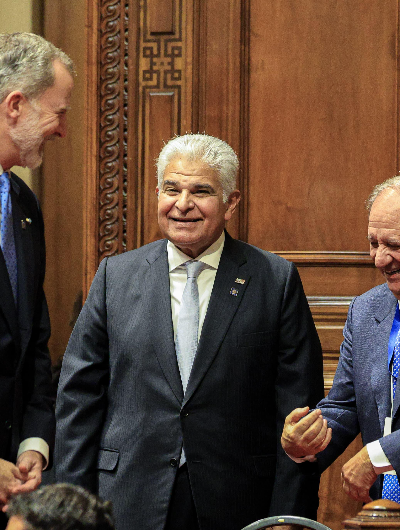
pixel 297 414
pixel 32 480
pixel 306 436
pixel 29 485
pixel 328 438
pixel 301 420
pixel 358 475
pixel 17 474
pixel 358 493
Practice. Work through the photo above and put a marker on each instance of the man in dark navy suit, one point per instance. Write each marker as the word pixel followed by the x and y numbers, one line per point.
pixel 36 80
pixel 172 398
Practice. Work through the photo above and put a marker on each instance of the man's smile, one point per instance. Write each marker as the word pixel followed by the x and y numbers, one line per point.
pixel 184 220
pixel 391 273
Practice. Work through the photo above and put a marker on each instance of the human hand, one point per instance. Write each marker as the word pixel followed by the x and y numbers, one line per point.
pixel 358 475
pixel 10 477
pixel 304 433
pixel 30 465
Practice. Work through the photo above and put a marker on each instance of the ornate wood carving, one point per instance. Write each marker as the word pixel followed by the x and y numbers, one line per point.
pixel 113 127
pixel 376 515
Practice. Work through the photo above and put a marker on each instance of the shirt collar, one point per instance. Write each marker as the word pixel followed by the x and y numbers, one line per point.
pixel 210 256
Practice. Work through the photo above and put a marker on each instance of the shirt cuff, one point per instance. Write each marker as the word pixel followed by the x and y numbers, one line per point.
pixel 35 444
pixel 378 458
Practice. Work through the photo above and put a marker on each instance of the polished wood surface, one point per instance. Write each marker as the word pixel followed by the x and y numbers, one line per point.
pixel 62 182
pixel 306 93
pixel 334 505
pixel 379 514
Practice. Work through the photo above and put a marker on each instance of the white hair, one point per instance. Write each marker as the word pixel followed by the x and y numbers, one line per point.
pixel 26 64
pixel 392 183
pixel 209 150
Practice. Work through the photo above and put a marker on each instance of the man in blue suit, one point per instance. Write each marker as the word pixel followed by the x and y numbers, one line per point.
pixel 363 397
pixel 175 443
pixel 35 86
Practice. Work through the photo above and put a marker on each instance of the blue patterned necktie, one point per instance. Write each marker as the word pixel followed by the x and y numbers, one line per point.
pixel 391 487
pixel 188 322
pixel 7 233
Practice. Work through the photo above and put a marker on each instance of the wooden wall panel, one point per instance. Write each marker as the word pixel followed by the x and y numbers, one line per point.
pixel 323 120
pixel 161 111
pixel 218 84
pixel 62 183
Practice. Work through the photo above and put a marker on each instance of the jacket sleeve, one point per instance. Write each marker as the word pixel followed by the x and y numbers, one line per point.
pixel 37 419
pixel 82 393
pixel 299 383
pixel 339 407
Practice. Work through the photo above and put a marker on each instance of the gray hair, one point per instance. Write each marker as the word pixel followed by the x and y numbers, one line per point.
pixel 392 183
pixel 62 507
pixel 209 150
pixel 26 64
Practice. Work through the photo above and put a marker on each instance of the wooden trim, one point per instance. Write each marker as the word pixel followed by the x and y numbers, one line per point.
pixel 328 258
pixel 318 301
pixel 90 168
pixel 243 212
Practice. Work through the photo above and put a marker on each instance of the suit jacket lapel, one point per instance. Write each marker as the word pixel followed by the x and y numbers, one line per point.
pixel 224 302
pixel 159 299
pixel 380 378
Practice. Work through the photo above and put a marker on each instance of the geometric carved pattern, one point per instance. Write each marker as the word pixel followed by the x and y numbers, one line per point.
pixel 162 81
pixel 159 73
pixel 162 53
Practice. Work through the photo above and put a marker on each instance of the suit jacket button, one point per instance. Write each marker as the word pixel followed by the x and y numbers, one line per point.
pixel 185 413
pixel 7 424
pixel 173 462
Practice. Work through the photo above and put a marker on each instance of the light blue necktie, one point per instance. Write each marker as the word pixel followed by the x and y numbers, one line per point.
pixel 7 233
pixel 188 322
pixel 391 487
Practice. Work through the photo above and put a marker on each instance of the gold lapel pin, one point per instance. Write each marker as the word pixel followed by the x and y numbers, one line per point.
pixel 239 280
pixel 234 292
pixel 26 221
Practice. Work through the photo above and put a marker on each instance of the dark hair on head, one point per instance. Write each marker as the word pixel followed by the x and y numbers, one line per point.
pixel 62 507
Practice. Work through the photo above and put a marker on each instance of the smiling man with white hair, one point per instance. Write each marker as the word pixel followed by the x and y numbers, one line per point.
pixel 184 361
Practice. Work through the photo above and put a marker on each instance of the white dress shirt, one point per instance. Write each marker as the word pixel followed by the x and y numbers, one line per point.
pixel 205 281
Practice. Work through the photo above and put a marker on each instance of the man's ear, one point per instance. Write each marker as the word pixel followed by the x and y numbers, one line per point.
pixel 14 103
pixel 231 204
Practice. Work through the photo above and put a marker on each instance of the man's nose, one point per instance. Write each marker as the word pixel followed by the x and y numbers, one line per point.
pixel 185 201
pixel 382 256
pixel 61 130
